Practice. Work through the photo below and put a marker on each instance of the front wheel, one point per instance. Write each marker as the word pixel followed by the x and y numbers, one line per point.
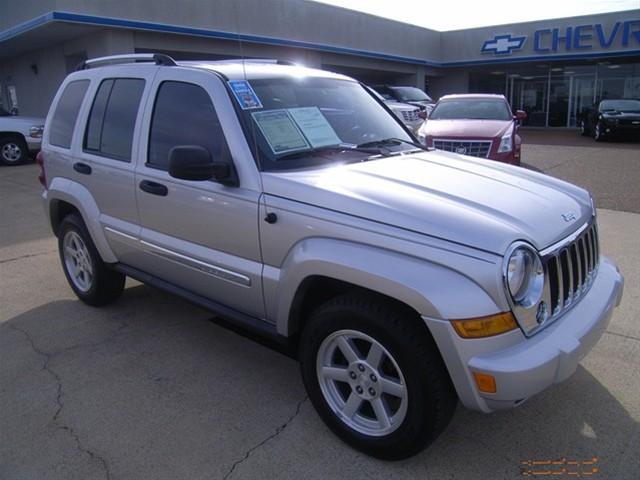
pixel 375 376
pixel 598 132
pixel 91 279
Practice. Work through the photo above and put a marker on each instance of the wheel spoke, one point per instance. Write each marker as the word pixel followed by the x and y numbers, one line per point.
pixel 352 405
pixel 348 349
pixel 392 388
pixel 380 410
pixel 70 251
pixel 336 373
pixel 374 357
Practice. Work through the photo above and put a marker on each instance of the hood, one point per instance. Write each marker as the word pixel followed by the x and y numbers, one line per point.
pixel 467 128
pixel 469 201
pixel 405 107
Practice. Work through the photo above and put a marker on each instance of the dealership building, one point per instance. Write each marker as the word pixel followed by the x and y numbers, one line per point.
pixel 552 69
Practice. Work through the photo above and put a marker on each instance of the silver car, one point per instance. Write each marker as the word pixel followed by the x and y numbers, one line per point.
pixel 291 202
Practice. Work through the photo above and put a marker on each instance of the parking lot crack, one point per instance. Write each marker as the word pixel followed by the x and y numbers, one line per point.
pixel 277 432
pixel 59 402
pixel 28 255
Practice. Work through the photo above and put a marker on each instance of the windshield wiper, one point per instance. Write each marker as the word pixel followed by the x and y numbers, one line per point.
pixel 392 141
pixel 336 148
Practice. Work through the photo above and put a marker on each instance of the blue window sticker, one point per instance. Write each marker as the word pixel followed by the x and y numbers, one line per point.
pixel 244 94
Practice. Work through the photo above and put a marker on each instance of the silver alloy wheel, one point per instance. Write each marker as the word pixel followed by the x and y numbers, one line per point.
pixel 583 128
pixel 11 152
pixel 77 261
pixel 598 132
pixel 362 382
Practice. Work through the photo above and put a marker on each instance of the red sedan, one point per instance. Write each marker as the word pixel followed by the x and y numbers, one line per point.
pixel 480 125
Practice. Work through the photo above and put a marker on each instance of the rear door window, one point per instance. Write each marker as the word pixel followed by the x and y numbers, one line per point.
pixel 113 118
pixel 64 118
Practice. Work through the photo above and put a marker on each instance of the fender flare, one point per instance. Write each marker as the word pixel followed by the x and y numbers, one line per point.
pixel 66 190
pixel 430 289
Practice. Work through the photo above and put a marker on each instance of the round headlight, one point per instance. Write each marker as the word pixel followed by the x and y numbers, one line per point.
pixel 525 276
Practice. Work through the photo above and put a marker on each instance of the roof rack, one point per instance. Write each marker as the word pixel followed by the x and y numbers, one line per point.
pixel 256 60
pixel 157 58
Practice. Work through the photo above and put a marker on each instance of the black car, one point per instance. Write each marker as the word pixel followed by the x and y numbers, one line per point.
pixel 611 117
pixel 410 95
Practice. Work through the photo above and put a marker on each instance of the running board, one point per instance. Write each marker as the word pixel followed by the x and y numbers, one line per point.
pixel 230 315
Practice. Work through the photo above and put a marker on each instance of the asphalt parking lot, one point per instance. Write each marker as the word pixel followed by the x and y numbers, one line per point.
pixel 153 388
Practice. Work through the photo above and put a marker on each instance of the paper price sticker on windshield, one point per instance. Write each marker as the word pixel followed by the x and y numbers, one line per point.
pixel 244 94
pixel 315 126
pixel 280 131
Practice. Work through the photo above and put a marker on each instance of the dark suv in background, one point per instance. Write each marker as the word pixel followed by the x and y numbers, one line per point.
pixel 611 117
pixel 410 95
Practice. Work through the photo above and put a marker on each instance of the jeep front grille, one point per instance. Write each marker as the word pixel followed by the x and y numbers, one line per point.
pixel 569 270
pixel 475 148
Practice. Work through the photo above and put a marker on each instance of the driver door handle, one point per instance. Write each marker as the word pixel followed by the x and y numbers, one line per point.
pixel 154 188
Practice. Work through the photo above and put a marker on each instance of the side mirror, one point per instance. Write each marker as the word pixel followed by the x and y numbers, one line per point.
pixel 193 162
pixel 520 115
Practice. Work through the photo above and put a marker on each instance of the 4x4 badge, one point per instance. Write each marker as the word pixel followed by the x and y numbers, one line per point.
pixel 568 217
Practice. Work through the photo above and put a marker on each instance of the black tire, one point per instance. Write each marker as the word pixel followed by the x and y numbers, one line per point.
pixel 430 393
pixel 13 150
pixel 106 285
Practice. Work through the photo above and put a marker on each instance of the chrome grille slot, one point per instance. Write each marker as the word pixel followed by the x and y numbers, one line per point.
pixel 569 270
pixel 474 148
pixel 411 115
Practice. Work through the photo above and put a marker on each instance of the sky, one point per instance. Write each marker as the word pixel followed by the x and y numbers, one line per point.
pixel 455 14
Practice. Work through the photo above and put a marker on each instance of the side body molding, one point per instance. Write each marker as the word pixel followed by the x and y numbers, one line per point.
pixel 429 288
pixel 63 189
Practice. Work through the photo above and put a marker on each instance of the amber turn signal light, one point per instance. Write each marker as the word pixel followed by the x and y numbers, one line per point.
pixel 485 326
pixel 486 383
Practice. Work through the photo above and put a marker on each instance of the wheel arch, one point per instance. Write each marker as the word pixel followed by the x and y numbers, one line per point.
pixel 318 269
pixel 64 197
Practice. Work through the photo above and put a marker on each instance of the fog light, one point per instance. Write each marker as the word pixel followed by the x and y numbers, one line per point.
pixel 486 383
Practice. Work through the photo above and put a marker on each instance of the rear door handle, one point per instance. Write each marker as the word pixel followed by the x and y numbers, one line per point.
pixel 154 188
pixel 82 168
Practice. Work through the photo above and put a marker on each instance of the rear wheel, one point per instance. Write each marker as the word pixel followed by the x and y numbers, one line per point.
pixel 13 150
pixel 375 376
pixel 90 278
pixel 583 128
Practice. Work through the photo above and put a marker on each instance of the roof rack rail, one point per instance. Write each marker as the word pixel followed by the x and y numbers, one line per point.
pixel 158 58
pixel 258 60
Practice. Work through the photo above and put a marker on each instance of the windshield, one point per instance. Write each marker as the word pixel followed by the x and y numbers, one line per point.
pixel 471 109
pixel 310 121
pixel 4 113
pixel 411 94
pixel 621 105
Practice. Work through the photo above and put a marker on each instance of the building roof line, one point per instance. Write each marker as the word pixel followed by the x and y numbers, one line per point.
pixel 71 17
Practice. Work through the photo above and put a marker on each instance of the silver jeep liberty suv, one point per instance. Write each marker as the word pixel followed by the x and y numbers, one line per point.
pixel 293 202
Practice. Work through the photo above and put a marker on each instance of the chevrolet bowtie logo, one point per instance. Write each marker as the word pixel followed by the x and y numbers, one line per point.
pixel 503 44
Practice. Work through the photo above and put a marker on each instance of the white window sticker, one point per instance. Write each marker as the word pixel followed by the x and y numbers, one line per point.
pixel 280 131
pixel 315 126
pixel 244 94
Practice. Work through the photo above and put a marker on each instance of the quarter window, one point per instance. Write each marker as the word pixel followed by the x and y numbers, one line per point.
pixel 183 115
pixel 64 118
pixel 113 118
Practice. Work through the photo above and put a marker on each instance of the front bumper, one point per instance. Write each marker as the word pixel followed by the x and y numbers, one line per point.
pixel 524 366
pixel 33 144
